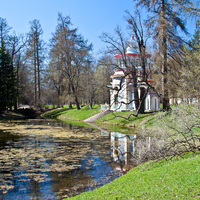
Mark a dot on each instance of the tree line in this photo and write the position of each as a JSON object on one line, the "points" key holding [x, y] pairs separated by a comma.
{"points": [[61, 72], [65, 72]]}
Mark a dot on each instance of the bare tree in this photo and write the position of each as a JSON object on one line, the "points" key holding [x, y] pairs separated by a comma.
{"points": [[102, 74], [118, 45], [35, 53], [138, 30], [73, 53], [180, 131]]}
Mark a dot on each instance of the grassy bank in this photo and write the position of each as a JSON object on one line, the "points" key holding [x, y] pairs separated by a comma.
{"points": [[118, 119], [121, 119], [178, 179], [67, 114], [73, 116]]}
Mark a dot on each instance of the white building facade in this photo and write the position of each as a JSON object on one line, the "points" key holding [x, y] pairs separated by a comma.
{"points": [[122, 90]]}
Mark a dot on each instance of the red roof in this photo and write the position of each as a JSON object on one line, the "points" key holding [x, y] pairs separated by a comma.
{"points": [[131, 54]]}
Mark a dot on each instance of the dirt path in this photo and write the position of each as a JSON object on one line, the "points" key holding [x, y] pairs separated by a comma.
{"points": [[97, 116]]}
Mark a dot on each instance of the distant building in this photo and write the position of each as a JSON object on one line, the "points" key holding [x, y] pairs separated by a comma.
{"points": [[124, 98]]}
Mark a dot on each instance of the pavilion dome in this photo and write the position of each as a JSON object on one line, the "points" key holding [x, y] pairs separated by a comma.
{"points": [[132, 47], [132, 50]]}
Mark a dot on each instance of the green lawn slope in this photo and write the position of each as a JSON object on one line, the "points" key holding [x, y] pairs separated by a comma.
{"points": [[118, 119], [80, 115], [73, 116], [122, 119], [178, 179]]}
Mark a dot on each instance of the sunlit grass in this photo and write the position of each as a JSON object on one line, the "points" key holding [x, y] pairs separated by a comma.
{"points": [[178, 179], [67, 114], [55, 106], [79, 115], [54, 113], [116, 118], [120, 118]]}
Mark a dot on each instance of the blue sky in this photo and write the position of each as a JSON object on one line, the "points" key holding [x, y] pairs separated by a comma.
{"points": [[91, 17]]}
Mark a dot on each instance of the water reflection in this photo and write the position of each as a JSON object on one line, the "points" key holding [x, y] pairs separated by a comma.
{"points": [[52, 160], [129, 151]]}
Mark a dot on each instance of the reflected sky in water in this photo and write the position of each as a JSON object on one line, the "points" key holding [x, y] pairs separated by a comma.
{"points": [[46, 166]]}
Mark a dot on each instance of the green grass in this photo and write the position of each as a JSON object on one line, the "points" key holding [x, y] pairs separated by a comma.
{"points": [[66, 114], [54, 113], [110, 121], [178, 179], [118, 118], [79, 115], [73, 116], [55, 106]]}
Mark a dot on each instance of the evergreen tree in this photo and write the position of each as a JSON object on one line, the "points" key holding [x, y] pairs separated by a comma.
{"points": [[8, 90], [7, 80]]}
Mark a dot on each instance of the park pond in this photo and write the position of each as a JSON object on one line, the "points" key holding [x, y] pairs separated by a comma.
{"points": [[45, 159]]}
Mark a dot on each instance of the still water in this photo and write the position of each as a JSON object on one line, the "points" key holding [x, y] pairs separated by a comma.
{"points": [[41, 159]]}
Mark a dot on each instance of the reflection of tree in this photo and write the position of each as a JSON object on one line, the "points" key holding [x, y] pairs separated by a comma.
{"points": [[5, 137], [60, 159]]}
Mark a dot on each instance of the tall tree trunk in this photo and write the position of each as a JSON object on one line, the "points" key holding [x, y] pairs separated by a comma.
{"points": [[75, 97], [164, 58], [142, 100], [143, 76], [77, 103], [135, 89], [59, 97], [38, 76], [70, 105], [35, 74], [90, 102]]}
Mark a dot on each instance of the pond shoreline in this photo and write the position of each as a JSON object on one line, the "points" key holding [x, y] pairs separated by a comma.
{"points": [[22, 113], [121, 120], [55, 151], [144, 181]]}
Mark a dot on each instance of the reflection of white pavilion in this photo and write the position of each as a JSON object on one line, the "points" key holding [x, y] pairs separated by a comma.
{"points": [[126, 149], [121, 146], [126, 94]]}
